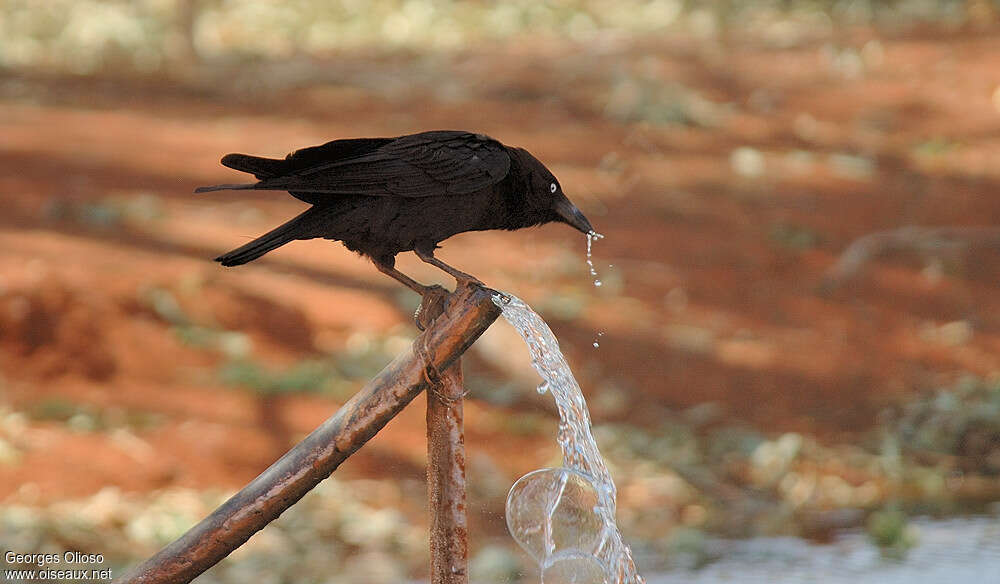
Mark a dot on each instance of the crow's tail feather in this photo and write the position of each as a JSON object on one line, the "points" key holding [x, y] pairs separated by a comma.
{"points": [[256, 165], [235, 187], [262, 168], [271, 184], [297, 228]]}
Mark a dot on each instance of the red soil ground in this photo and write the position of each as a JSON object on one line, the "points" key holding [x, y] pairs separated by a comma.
{"points": [[713, 294]]}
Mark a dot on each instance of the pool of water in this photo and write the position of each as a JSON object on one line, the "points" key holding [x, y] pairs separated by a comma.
{"points": [[951, 551]]}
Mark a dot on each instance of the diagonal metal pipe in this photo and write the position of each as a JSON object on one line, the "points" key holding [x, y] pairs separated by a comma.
{"points": [[467, 313]]}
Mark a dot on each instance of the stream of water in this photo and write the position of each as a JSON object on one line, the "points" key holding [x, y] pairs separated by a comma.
{"points": [[565, 517]]}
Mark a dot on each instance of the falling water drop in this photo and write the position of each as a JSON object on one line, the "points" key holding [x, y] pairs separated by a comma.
{"points": [[591, 237], [543, 387], [596, 343]]}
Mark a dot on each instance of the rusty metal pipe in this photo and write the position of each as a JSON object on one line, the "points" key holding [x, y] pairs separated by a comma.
{"points": [[449, 530], [468, 312]]}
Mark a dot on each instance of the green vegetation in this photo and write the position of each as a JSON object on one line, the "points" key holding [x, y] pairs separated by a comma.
{"points": [[745, 482], [83, 417], [309, 376], [793, 237], [109, 212], [339, 533], [889, 529], [958, 426], [337, 375]]}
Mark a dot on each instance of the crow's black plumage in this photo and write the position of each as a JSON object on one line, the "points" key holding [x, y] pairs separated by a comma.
{"points": [[382, 196]]}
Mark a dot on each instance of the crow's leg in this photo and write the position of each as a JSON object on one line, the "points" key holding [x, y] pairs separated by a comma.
{"points": [[461, 278], [387, 268], [431, 294]]}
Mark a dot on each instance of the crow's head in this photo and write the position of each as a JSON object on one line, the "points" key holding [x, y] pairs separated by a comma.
{"points": [[545, 194]]}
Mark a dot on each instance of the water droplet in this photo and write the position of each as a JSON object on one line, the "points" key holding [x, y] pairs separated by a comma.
{"points": [[598, 283], [591, 237], [543, 387], [500, 299], [596, 344]]}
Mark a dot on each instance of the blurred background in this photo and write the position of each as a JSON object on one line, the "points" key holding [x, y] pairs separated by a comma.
{"points": [[763, 405]]}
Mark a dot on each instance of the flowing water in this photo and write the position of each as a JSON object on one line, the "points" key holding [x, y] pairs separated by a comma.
{"points": [[565, 517]]}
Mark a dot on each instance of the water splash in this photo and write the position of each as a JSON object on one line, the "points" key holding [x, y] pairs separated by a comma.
{"points": [[591, 237], [565, 517]]}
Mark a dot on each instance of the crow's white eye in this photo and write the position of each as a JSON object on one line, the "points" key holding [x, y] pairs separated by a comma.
{"points": [[552, 188]]}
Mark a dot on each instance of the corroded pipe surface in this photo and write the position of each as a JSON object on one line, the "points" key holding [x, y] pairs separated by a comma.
{"points": [[449, 537], [468, 313]]}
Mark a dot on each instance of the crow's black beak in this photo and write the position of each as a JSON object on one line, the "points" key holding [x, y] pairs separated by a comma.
{"points": [[571, 215]]}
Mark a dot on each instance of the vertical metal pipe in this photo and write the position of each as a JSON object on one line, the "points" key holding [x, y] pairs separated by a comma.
{"points": [[449, 535]]}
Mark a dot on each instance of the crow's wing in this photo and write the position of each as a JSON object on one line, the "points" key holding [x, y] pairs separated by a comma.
{"points": [[305, 158], [421, 165]]}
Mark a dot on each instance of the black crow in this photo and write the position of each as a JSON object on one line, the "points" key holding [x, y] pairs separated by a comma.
{"points": [[382, 196]]}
